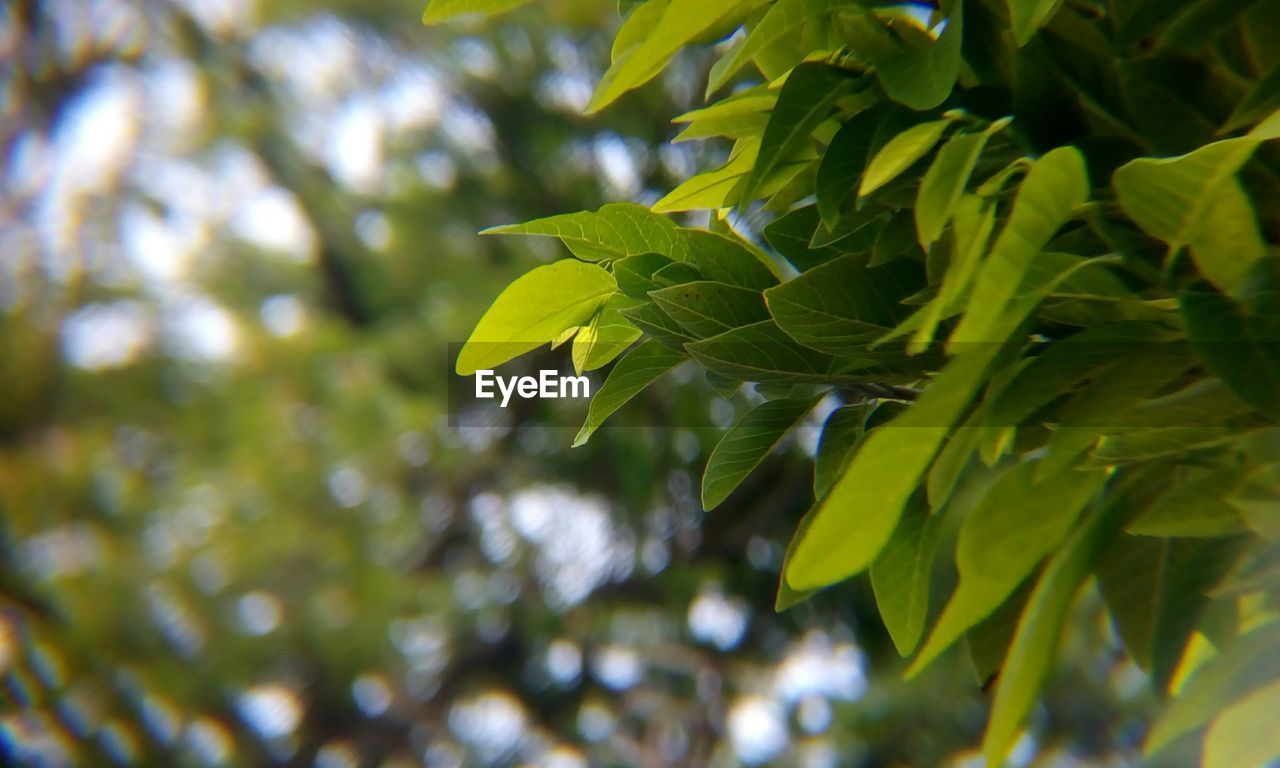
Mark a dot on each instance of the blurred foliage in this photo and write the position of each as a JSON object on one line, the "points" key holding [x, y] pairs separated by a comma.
{"points": [[240, 523]]}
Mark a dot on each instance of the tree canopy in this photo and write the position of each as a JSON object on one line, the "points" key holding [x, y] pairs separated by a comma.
{"points": [[1025, 254]]}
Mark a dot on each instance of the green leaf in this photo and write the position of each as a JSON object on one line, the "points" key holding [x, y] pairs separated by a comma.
{"points": [[855, 520], [974, 221], [1261, 101], [533, 310], [1228, 244], [900, 577], [637, 370], [840, 434], [1054, 187], [989, 640], [782, 19], [1015, 525], [634, 274], [1194, 507], [439, 11], [923, 78], [746, 444], [1035, 642], [946, 179], [1245, 733], [682, 22], [711, 188], [845, 159], [637, 27], [1181, 200], [706, 308], [1028, 16], [739, 115], [807, 97], [728, 259], [792, 236], [902, 151], [652, 320], [1250, 660], [615, 231], [607, 335], [1066, 364], [1156, 590], [842, 306], [1144, 444], [761, 352], [676, 273], [1241, 349]]}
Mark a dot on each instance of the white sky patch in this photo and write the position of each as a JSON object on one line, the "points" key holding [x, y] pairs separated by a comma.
{"points": [[467, 128], [353, 151], [271, 709], [283, 315], [221, 16], [619, 175], [272, 220], [161, 248], [718, 620], [110, 335], [412, 100], [757, 729], [198, 328]]}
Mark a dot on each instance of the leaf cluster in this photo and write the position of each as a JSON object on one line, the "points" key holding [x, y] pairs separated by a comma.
{"points": [[1029, 249]]}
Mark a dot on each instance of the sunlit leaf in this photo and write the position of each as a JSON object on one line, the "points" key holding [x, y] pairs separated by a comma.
{"points": [[533, 310], [615, 231], [439, 11]]}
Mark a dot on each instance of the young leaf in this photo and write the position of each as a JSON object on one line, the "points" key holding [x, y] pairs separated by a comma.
{"points": [[746, 444], [923, 78], [606, 336], [900, 577], [946, 179], [808, 95], [637, 370], [615, 231], [902, 151], [1015, 525], [533, 310], [440, 11]]}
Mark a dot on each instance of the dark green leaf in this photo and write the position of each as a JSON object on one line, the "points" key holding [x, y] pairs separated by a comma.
{"points": [[746, 444], [900, 576], [806, 100], [637, 370], [923, 78], [706, 308], [840, 434]]}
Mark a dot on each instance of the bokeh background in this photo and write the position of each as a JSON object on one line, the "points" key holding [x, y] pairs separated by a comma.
{"points": [[236, 526]]}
